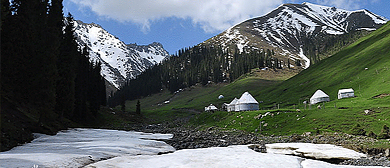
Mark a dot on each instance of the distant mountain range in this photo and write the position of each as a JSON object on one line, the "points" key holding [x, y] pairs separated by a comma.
{"points": [[120, 61], [290, 28], [292, 31]]}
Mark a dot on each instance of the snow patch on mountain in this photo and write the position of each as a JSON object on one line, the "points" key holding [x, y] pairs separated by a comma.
{"points": [[120, 62], [307, 60], [285, 28], [154, 52]]}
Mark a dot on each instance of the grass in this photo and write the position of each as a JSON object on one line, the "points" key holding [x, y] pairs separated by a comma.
{"points": [[193, 100], [287, 121], [363, 66]]}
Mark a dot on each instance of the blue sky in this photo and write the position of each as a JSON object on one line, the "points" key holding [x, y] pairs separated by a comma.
{"points": [[184, 23]]}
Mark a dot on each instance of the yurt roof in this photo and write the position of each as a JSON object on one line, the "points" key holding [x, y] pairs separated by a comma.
{"points": [[319, 93], [247, 98], [212, 107], [234, 101], [345, 90]]}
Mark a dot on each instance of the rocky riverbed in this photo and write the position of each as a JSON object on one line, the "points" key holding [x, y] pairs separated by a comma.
{"points": [[192, 138]]}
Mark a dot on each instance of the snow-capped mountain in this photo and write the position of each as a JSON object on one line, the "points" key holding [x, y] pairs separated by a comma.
{"points": [[287, 28], [120, 61]]}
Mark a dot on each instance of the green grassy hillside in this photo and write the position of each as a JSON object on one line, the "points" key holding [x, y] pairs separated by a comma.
{"points": [[194, 99], [363, 66]]}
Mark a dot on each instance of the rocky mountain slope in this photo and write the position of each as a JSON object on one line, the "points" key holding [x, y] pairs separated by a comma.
{"points": [[120, 61], [291, 28]]}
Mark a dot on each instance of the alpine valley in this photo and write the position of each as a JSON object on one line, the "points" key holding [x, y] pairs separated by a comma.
{"points": [[57, 74], [304, 32]]}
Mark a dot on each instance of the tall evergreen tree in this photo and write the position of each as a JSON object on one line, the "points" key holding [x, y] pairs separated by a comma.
{"points": [[34, 69], [67, 71], [88, 94], [42, 66], [6, 44], [81, 91], [5, 12], [138, 108]]}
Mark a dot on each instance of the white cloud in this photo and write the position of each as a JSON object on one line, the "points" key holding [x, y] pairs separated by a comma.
{"points": [[211, 15], [347, 4]]}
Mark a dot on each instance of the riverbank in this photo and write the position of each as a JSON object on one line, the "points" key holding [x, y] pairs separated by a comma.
{"points": [[185, 137], [105, 147], [79, 147]]}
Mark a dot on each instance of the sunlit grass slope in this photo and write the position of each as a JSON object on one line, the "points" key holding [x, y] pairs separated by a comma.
{"points": [[363, 66], [193, 100]]}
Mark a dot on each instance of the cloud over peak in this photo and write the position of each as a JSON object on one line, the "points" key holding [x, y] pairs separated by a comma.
{"points": [[211, 15]]}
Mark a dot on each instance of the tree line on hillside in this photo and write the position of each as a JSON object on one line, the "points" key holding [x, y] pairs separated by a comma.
{"points": [[199, 64], [42, 67], [323, 45]]}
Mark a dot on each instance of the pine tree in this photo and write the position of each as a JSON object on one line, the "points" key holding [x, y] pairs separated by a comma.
{"points": [[5, 12], [123, 104], [36, 73], [96, 95], [269, 54], [7, 38], [102, 94], [138, 107], [81, 111], [67, 71], [288, 63]]}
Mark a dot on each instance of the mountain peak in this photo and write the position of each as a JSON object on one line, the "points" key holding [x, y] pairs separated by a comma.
{"points": [[153, 52], [120, 62], [311, 4], [290, 28], [90, 24]]}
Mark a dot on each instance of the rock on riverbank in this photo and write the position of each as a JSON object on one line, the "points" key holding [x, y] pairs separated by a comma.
{"points": [[192, 138]]}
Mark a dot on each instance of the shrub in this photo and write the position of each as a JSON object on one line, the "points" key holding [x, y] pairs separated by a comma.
{"points": [[384, 134], [371, 134], [358, 130]]}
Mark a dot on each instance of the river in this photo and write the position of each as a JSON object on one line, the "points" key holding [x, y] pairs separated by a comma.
{"points": [[113, 148]]}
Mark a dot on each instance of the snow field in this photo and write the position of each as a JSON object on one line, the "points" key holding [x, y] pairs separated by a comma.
{"points": [[113, 148], [78, 147]]}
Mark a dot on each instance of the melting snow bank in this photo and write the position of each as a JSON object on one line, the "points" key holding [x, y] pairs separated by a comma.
{"points": [[79, 147], [231, 156], [303, 56], [317, 151], [113, 148]]}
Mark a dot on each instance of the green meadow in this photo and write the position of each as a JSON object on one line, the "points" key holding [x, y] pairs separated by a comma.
{"points": [[363, 66]]}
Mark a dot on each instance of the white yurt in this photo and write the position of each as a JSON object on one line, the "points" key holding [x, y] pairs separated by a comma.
{"points": [[221, 97], [247, 103], [344, 93], [232, 105], [224, 107], [211, 107], [319, 96]]}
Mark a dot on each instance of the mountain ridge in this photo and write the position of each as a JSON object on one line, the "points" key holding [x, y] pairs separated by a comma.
{"points": [[363, 66], [120, 61], [289, 28]]}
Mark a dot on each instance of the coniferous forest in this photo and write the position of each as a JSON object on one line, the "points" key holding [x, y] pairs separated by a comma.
{"points": [[44, 72], [199, 64]]}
